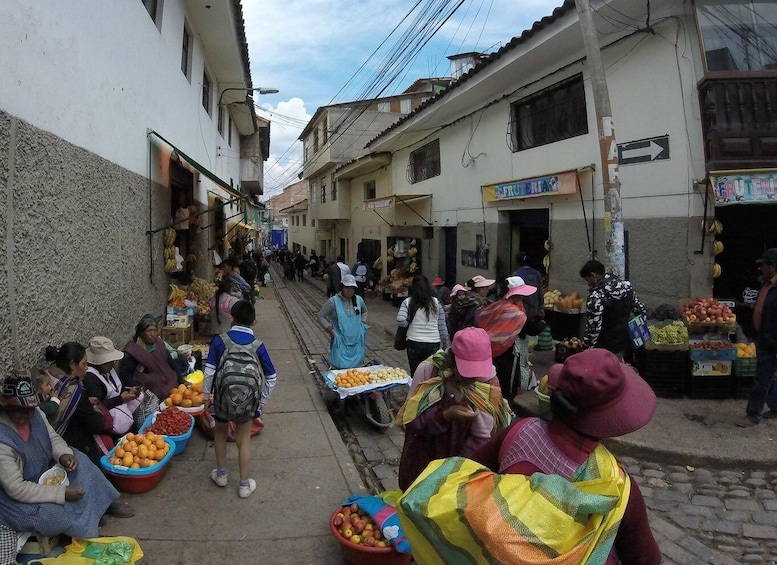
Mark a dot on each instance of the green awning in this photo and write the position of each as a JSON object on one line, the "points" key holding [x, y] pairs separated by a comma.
{"points": [[221, 183]]}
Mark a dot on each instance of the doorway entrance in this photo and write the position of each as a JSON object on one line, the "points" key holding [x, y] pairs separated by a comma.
{"points": [[529, 230], [449, 254]]}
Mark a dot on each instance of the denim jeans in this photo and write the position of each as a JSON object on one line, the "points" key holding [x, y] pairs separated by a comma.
{"points": [[418, 351], [763, 389]]}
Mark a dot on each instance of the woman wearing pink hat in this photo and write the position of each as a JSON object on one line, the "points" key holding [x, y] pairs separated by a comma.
{"points": [[443, 292], [593, 397], [454, 406], [463, 306], [504, 320]]}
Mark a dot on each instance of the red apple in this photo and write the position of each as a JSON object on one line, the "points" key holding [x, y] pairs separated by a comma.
{"points": [[370, 542], [354, 507], [338, 521], [359, 525]]}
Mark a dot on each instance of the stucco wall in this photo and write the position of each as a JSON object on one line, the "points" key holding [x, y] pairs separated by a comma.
{"points": [[661, 267], [78, 254]]}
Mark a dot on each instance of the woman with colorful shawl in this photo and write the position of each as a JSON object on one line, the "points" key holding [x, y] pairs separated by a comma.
{"points": [[77, 420], [455, 405], [593, 397], [503, 320]]}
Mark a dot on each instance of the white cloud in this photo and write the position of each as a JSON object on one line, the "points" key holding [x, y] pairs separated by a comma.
{"points": [[287, 121]]}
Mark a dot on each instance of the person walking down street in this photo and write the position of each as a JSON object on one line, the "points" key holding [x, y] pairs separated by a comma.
{"points": [[249, 271], [443, 292], [454, 406], [463, 306], [764, 387], [299, 265], [238, 362], [503, 320], [335, 275], [593, 397], [314, 264], [611, 303], [360, 273], [423, 316], [343, 317]]}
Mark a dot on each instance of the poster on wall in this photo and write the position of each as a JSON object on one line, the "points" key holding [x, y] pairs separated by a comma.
{"points": [[478, 257], [744, 187]]}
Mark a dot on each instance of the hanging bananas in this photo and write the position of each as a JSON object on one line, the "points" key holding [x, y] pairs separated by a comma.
{"points": [[176, 293], [716, 271], [717, 248], [168, 237]]}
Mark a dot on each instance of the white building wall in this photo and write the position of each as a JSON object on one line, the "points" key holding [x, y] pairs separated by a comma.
{"points": [[110, 58]]}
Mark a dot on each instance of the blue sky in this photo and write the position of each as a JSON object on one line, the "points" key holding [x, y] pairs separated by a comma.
{"points": [[310, 49]]}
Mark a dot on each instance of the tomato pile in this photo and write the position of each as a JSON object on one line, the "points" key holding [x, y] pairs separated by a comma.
{"points": [[171, 422]]}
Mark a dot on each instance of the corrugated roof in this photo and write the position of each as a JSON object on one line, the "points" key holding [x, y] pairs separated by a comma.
{"points": [[487, 60]]}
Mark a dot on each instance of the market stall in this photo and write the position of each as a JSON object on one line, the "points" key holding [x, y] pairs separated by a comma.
{"points": [[403, 261]]}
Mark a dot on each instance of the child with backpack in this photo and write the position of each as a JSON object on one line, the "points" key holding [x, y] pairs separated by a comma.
{"points": [[239, 379]]}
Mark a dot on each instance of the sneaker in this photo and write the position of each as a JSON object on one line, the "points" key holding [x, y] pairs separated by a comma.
{"points": [[220, 480], [248, 490]]}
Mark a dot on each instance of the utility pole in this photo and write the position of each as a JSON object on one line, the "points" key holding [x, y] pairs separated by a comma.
{"points": [[615, 259]]}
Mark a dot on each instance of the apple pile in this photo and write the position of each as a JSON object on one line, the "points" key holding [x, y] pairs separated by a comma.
{"points": [[708, 311], [356, 526]]}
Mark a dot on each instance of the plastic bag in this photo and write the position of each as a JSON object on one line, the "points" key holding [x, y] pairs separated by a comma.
{"points": [[128, 549]]}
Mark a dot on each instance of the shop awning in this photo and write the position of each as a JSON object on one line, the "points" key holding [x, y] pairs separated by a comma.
{"points": [[241, 225], [200, 168], [393, 200], [550, 185], [754, 186]]}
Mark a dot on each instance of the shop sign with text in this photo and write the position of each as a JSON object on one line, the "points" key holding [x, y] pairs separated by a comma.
{"points": [[561, 183], [744, 187]]}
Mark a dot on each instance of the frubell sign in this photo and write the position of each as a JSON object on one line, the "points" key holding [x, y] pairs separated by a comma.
{"points": [[744, 187], [561, 183]]}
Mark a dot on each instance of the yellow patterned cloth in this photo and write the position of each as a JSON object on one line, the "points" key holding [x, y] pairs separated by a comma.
{"points": [[484, 397], [458, 511]]}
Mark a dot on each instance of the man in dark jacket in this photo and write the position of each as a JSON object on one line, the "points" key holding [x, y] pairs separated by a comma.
{"points": [[764, 389], [534, 304], [611, 303]]}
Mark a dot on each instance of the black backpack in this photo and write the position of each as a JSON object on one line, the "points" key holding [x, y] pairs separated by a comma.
{"points": [[238, 382]]}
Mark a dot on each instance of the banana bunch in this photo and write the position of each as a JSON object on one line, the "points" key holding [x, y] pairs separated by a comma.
{"points": [[169, 265], [168, 237], [202, 288], [717, 248], [176, 293], [716, 271]]}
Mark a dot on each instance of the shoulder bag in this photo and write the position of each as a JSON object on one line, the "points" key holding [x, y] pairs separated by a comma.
{"points": [[400, 338]]}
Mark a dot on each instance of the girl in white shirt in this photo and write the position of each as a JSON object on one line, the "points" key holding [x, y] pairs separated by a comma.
{"points": [[423, 316]]}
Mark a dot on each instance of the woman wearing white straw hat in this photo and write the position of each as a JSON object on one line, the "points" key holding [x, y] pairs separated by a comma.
{"points": [[102, 382]]}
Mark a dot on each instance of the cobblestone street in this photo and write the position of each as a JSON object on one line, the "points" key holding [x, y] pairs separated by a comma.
{"points": [[698, 515]]}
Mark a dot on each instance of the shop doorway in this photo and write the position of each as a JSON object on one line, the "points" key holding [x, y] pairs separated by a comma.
{"points": [[181, 199], [451, 242], [368, 250], [748, 230], [529, 230]]}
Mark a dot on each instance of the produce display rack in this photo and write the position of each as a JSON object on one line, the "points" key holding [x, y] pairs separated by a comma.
{"points": [[744, 366], [709, 387], [563, 325], [665, 371]]}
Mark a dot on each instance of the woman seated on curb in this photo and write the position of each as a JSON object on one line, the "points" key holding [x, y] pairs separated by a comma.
{"points": [[102, 382], [80, 423], [28, 444], [593, 397], [150, 362], [454, 405]]}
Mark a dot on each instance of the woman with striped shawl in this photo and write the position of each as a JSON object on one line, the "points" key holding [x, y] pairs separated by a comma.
{"points": [[454, 406]]}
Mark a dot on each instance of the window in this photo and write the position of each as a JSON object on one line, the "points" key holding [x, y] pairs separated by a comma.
{"points": [[229, 129], [369, 190], [186, 51], [738, 36], [315, 139], [312, 223], [424, 162], [324, 129], [333, 181], [220, 120], [206, 92], [323, 191], [304, 220], [550, 115]]}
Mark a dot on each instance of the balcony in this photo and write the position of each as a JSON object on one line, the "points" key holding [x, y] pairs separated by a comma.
{"points": [[739, 121]]}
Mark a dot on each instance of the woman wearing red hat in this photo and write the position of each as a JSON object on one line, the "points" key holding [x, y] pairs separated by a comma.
{"points": [[454, 406], [593, 397]]}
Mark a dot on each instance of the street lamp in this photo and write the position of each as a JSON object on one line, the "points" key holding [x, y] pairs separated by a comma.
{"points": [[260, 90]]}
